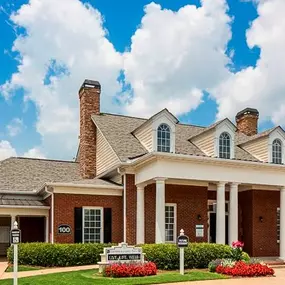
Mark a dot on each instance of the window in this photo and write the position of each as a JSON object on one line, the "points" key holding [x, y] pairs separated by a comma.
{"points": [[277, 151], [170, 223], [278, 224], [163, 138], [225, 146], [92, 225]]}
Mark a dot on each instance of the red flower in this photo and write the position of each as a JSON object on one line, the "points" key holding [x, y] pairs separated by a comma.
{"points": [[237, 244], [245, 270], [130, 269]]}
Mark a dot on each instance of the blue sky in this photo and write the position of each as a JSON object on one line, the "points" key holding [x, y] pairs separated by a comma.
{"points": [[27, 125]]}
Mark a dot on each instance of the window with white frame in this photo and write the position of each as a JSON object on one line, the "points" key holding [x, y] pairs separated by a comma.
{"points": [[277, 151], [278, 224], [225, 145], [170, 223], [92, 225], [163, 138]]}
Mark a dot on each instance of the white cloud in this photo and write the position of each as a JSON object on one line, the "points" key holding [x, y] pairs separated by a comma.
{"points": [[64, 43], [34, 153], [6, 150], [174, 56], [15, 127], [262, 86]]}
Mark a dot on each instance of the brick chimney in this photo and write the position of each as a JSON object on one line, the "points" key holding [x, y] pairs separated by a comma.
{"points": [[89, 96], [247, 121]]}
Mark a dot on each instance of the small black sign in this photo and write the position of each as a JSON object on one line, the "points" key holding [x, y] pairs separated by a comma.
{"points": [[182, 241], [15, 236], [64, 229], [126, 256]]}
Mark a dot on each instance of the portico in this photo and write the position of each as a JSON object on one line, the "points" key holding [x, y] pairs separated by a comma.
{"points": [[235, 180]]}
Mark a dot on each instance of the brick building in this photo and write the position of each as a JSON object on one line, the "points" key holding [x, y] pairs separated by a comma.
{"points": [[142, 180]]}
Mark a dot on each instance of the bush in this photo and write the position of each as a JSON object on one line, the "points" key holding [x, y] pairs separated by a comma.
{"points": [[130, 269], [59, 255], [245, 270], [197, 255], [214, 264], [165, 256]]}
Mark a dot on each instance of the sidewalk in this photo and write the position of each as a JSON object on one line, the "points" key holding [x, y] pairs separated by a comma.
{"points": [[278, 280], [45, 271], [3, 266]]}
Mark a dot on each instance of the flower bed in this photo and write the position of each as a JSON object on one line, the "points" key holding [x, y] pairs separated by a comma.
{"points": [[130, 270], [243, 269]]}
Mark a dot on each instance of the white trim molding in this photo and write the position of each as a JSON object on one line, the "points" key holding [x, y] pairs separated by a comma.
{"points": [[140, 215], [88, 191], [101, 220]]}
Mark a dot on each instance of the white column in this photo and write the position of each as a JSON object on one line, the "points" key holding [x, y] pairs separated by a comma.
{"points": [[282, 223], [13, 219], [160, 211], [221, 214], [46, 228], [233, 218], [140, 214]]}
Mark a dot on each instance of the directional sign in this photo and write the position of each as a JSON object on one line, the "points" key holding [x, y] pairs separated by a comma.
{"points": [[15, 236], [182, 241]]}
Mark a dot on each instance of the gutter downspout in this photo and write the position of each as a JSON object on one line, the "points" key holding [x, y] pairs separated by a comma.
{"points": [[52, 215], [124, 205]]}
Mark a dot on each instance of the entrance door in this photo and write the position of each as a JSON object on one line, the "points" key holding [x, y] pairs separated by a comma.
{"points": [[213, 223], [4, 239]]}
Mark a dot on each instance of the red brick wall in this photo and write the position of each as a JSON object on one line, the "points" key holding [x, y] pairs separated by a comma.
{"points": [[64, 205], [131, 218], [260, 238], [265, 204], [191, 201]]}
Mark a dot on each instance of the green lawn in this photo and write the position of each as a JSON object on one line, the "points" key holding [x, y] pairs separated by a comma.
{"points": [[23, 268], [92, 277]]}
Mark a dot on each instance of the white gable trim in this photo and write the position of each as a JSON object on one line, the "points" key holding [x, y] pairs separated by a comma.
{"points": [[276, 134], [227, 127]]}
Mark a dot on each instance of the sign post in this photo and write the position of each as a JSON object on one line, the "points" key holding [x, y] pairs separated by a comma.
{"points": [[182, 241], [15, 240]]}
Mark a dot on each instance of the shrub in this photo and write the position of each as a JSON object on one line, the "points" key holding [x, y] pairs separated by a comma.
{"points": [[197, 255], [245, 257], [117, 270], [245, 270], [237, 250], [60, 255], [214, 264]]}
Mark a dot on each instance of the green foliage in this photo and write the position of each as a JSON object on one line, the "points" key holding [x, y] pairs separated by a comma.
{"points": [[57, 255], [245, 257], [214, 264], [197, 255], [165, 256]]}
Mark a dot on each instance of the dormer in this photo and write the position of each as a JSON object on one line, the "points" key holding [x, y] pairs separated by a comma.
{"points": [[218, 140], [158, 132], [268, 146]]}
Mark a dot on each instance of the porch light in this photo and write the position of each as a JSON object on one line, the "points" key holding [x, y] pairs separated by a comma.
{"points": [[261, 219], [199, 218]]}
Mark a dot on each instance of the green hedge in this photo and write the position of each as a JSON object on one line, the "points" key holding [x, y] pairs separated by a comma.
{"points": [[197, 255], [57, 255], [165, 256]]}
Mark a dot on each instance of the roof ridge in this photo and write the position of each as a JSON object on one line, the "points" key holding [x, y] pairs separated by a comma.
{"points": [[120, 115], [41, 159], [191, 125]]}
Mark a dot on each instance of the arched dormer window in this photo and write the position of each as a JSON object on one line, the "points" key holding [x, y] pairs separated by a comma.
{"points": [[277, 151], [225, 146], [163, 138]]}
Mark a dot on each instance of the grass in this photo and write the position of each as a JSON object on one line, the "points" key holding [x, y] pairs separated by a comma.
{"points": [[23, 268], [89, 277]]}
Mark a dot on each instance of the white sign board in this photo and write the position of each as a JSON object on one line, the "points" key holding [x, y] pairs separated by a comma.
{"points": [[199, 230], [121, 253]]}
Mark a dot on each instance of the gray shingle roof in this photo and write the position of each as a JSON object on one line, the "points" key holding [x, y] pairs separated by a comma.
{"points": [[118, 131], [257, 136], [21, 202], [27, 174]]}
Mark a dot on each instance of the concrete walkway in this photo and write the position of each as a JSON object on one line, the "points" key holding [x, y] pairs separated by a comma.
{"points": [[278, 280], [3, 266], [9, 275]]}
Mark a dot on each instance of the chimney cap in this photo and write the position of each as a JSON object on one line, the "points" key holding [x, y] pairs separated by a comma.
{"points": [[247, 111], [90, 84]]}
